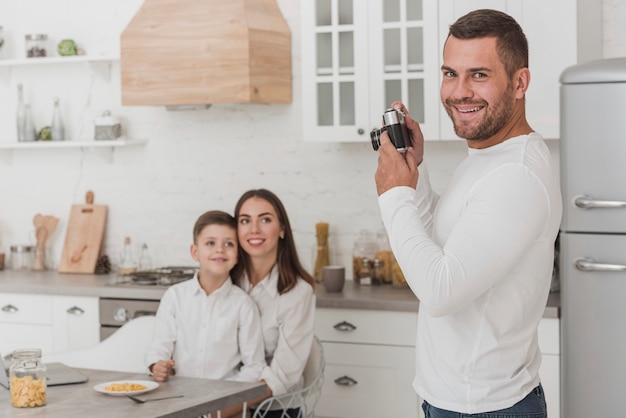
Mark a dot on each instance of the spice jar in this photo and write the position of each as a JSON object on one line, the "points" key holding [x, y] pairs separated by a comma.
{"points": [[28, 378], [365, 272], [107, 126], [364, 247], [36, 45], [21, 257], [378, 272]]}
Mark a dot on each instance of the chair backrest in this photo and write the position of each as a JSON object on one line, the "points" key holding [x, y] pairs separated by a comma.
{"points": [[122, 351], [306, 398]]}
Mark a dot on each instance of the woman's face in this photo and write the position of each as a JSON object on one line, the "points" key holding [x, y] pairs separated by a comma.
{"points": [[258, 228]]}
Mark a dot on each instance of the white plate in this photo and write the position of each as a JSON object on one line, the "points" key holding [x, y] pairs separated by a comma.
{"points": [[149, 384]]}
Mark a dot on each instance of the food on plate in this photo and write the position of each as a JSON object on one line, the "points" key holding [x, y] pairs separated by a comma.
{"points": [[27, 392], [125, 387]]}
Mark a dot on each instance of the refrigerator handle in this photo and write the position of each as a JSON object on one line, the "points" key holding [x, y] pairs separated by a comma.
{"points": [[587, 202], [588, 264]]}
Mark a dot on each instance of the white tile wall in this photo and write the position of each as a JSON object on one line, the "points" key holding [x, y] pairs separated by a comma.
{"points": [[194, 160]]}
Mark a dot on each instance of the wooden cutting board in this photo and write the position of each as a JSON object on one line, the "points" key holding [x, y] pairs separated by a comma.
{"points": [[83, 241]]}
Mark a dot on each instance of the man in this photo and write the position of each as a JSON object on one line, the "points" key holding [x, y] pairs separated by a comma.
{"points": [[480, 256]]}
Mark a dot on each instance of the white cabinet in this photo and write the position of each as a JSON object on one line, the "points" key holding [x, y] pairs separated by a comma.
{"points": [[368, 360], [52, 323], [549, 343], [357, 57]]}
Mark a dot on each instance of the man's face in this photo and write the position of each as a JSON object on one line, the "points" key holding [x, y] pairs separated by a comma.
{"points": [[475, 89]]}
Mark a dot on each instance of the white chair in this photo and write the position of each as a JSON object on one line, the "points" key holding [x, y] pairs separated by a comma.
{"points": [[306, 398], [122, 351]]}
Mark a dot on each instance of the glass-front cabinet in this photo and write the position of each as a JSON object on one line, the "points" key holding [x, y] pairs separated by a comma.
{"points": [[358, 56]]}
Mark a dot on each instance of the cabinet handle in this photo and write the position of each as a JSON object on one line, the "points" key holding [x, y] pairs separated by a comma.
{"points": [[345, 381], [344, 326], [588, 202], [9, 308], [75, 310], [588, 264]]}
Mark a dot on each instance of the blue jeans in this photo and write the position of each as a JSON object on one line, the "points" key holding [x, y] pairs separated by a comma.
{"points": [[532, 406]]}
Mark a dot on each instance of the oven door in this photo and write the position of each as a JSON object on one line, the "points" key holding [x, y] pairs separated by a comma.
{"points": [[116, 312]]}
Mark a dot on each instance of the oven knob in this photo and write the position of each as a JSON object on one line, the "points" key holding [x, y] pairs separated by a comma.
{"points": [[120, 314]]}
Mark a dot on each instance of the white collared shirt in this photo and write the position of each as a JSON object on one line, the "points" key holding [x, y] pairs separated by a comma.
{"points": [[288, 322], [215, 336]]}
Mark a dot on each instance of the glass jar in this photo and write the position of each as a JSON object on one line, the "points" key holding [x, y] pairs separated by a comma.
{"points": [[36, 45], [364, 247], [378, 272], [384, 253], [365, 272], [397, 277], [21, 257], [28, 378]]}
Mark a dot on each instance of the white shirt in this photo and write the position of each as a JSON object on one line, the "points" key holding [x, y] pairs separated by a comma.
{"points": [[288, 327], [216, 336], [479, 259]]}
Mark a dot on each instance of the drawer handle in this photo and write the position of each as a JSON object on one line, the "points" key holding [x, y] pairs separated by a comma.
{"points": [[344, 326], [345, 381], [75, 310], [9, 308]]}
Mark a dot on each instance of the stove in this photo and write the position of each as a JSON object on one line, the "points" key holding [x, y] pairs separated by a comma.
{"points": [[159, 277], [115, 312]]}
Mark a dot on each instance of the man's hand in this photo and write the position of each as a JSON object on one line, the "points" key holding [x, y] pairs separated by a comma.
{"points": [[163, 369], [397, 169]]}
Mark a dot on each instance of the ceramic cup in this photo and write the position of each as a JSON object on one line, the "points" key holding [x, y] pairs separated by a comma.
{"points": [[333, 278]]}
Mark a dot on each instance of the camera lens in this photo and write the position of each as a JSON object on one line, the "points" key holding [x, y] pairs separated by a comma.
{"points": [[375, 137]]}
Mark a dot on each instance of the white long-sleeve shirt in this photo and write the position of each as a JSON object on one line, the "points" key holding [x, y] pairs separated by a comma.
{"points": [[288, 322], [215, 336], [479, 258]]}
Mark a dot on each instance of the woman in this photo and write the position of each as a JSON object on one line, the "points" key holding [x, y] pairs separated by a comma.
{"points": [[271, 273]]}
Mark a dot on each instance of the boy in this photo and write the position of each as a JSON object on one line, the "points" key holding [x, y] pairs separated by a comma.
{"points": [[206, 327]]}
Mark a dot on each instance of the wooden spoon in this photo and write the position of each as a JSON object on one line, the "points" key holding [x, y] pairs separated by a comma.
{"points": [[50, 223], [38, 221], [40, 253]]}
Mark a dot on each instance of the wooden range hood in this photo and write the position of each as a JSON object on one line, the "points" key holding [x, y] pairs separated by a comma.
{"points": [[198, 52]]}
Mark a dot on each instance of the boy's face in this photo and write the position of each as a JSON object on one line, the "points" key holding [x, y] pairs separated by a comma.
{"points": [[216, 250]]}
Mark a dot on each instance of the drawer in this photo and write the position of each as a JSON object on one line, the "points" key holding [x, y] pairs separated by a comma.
{"points": [[549, 336], [366, 326], [358, 377], [25, 309]]}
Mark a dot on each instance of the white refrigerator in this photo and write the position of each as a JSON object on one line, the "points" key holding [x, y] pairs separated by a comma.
{"points": [[593, 240]]}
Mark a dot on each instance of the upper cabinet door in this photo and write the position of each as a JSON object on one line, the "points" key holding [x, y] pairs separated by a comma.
{"points": [[334, 70], [403, 60]]}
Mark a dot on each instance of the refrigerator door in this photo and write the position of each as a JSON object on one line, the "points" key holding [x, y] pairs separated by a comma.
{"points": [[593, 334], [593, 149]]}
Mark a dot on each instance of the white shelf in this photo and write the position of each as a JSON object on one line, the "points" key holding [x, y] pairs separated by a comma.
{"points": [[7, 148], [56, 60], [121, 142]]}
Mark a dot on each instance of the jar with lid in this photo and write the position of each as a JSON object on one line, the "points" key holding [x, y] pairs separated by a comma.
{"points": [[384, 253], [378, 272], [36, 45], [107, 127], [364, 276], [22, 257], [28, 378], [364, 247]]}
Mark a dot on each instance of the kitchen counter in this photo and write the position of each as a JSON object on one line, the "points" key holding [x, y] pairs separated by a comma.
{"points": [[387, 298], [353, 296]]}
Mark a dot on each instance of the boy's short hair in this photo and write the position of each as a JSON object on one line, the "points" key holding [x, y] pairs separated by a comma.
{"points": [[213, 217]]}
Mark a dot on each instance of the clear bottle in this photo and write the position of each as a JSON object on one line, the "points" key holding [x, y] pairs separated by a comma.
{"points": [[57, 128], [21, 113], [145, 261], [30, 132], [28, 378], [364, 276], [128, 265], [364, 247]]}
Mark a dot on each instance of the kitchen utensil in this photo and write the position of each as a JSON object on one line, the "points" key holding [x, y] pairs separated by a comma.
{"points": [[85, 232], [153, 399], [40, 249]]}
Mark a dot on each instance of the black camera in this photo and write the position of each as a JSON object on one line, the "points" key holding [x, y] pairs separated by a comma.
{"points": [[393, 123]]}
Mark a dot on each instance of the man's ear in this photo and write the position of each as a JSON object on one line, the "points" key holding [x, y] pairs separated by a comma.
{"points": [[522, 81]]}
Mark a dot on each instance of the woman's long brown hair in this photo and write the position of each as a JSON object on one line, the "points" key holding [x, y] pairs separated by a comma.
{"points": [[289, 266]]}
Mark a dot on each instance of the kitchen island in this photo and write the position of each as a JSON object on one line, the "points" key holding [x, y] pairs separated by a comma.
{"points": [[200, 396]]}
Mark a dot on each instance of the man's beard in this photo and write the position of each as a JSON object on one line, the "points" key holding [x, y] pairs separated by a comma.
{"points": [[492, 121]]}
